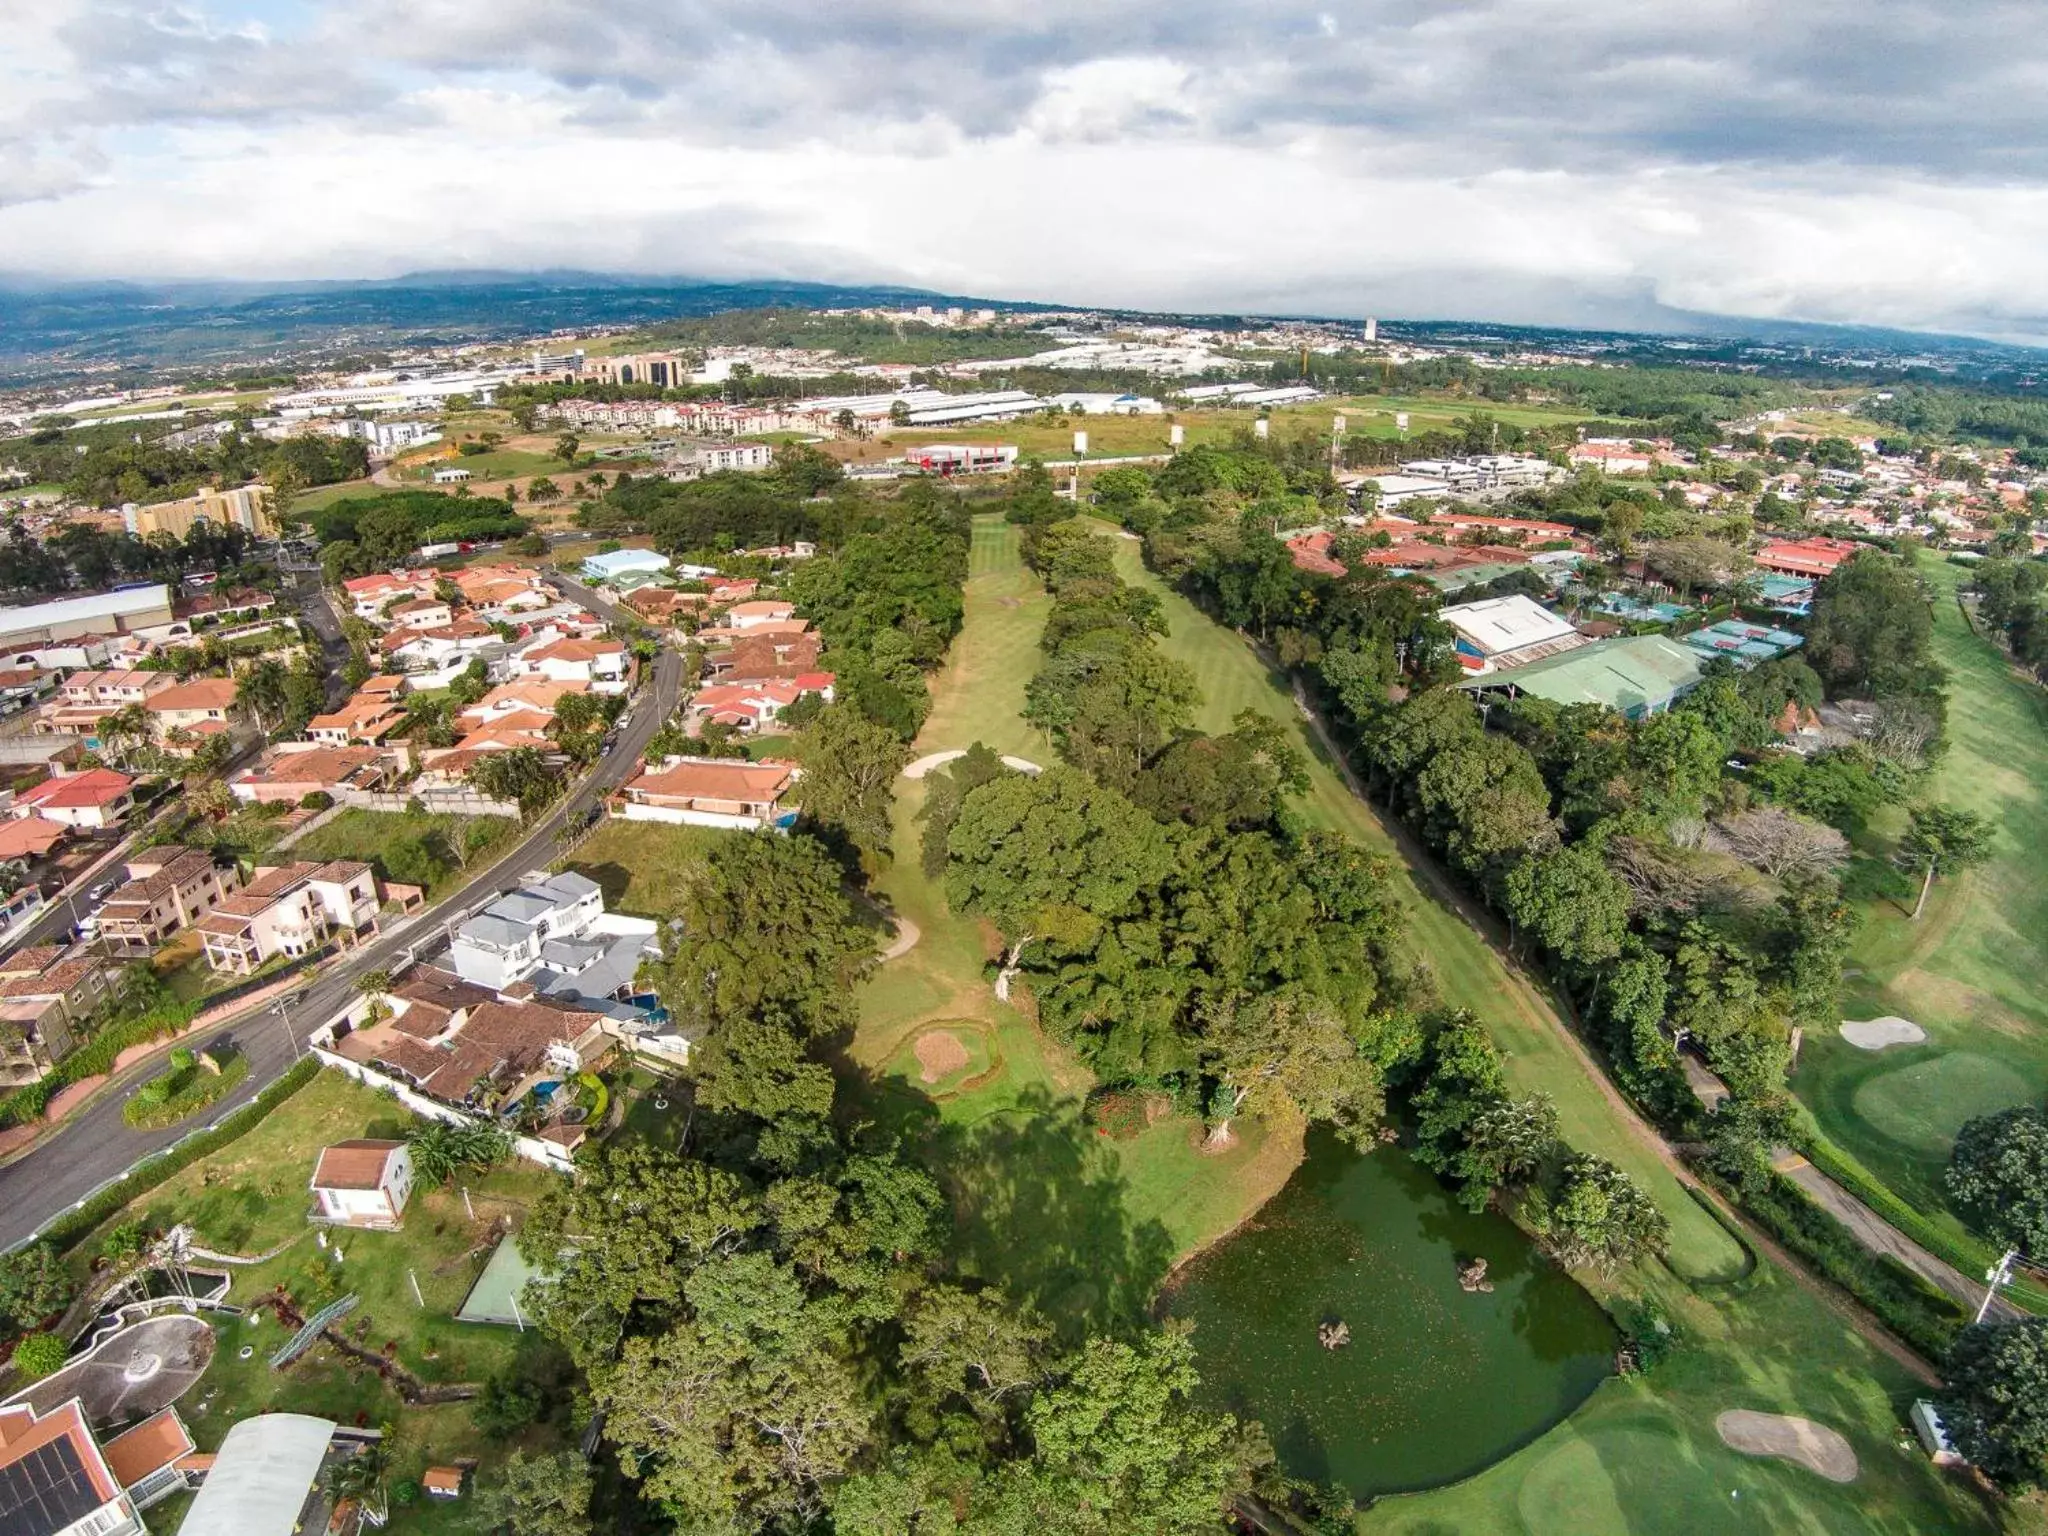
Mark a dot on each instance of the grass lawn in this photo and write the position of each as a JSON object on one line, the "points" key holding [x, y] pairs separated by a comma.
{"points": [[326, 495], [498, 464], [367, 835], [1969, 972], [641, 864]]}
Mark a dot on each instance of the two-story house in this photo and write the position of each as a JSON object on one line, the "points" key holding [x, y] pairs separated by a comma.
{"points": [[45, 999], [93, 800], [289, 911], [203, 707], [169, 888], [507, 941]]}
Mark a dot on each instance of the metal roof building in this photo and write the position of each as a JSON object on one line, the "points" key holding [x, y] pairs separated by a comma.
{"points": [[1636, 675], [1501, 632], [265, 1471]]}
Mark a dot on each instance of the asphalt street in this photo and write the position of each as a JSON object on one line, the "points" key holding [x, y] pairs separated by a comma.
{"points": [[95, 1146]]}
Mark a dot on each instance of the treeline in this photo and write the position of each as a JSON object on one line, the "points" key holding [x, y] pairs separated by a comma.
{"points": [[130, 461], [85, 557], [2012, 602], [720, 513], [360, 534], [1679, 903], [1949, 415]]}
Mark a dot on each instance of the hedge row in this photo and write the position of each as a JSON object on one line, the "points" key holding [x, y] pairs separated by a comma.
{"points": [[1902, 1301], [78, 1223], [1967, 1255], [95, 1057]]}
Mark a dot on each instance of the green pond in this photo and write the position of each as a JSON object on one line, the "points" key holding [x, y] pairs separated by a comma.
{"points": [[1436, 1383]]}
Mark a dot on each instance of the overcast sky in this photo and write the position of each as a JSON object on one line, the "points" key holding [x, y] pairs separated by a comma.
{"points": [[1585, 162]]}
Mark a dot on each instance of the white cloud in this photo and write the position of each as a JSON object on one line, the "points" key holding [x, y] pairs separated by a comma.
{"points": [[1527, 160]]}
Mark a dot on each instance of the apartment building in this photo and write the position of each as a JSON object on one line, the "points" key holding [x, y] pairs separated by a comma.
{"points": [[289, 911], [246, 507], [168, 889]]}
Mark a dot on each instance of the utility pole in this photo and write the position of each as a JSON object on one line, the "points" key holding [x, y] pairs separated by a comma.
{"points": [[1998, 1275]]}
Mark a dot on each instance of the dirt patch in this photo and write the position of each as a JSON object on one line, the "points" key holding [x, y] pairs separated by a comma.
{"points": [[939, 1055], [1799, 1441]]}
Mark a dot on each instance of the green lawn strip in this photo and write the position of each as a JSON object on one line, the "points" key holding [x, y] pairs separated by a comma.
{"points": [[186, 1091], [979, 694], [1969, 970], [1467, 971], [366, 836]]}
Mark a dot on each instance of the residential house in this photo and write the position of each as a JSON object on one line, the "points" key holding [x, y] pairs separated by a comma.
{"points": [[757, 657], [203, 707], [365, 719], [84, 699], [290, 771], [602, 665], [599, 568], [502, 592], [363, 1183], [289, 911], [437, 650], [523, 704], [706, 792], [367, 595], [169, 888], [45, 1000], [24, 840], [746, 616], [753, 706], [1805, 557], [442, 1482], [57, 1480], [94, 800], [235, 603], [505, 943], [422, 613]]}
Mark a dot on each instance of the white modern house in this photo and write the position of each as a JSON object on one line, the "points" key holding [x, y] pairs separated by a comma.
{"points": [[554, 935], [363, 1183]]}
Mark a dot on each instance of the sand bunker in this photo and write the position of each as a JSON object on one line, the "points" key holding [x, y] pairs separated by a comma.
{"points": [[1876, 1034], [940, 1054], [1801, 1441]]}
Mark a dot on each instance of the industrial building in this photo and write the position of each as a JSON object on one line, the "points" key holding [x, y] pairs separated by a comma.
{"points": [[121, 612], [246, 507], [1636, 675], [1503, 632]]}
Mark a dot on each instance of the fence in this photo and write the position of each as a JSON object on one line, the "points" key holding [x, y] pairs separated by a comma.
{"points": [[442, 802]]}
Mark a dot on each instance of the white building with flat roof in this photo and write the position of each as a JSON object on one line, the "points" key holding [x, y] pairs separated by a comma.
{"points": [[1501, 632], [104, 613]]}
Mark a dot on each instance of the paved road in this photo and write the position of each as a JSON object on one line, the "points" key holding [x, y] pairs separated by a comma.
{"points": [[95, 1146]]}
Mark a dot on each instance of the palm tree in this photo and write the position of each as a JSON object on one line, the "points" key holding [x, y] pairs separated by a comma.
{"points": [[129, 724], [262, 692]]}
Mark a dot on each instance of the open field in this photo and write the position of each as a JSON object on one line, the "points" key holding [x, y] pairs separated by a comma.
{"points": [[641, 864], [368, 836], [1970, 971]]}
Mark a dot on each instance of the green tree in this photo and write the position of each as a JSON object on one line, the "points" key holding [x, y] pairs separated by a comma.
{"points": [[1601, 1217], [37, 1355], [518, 774], [1120, 1448], [1291, 1048], [981, 1345], [33, 1285], [1870, 628], [1995, 1401], [850, 766], [1998, 1171], [442, 1149], [1571, 904], [1939, 840], [535, 1495], [566, 447]]}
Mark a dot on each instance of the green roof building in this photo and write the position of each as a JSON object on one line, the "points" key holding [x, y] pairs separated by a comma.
{"points": [[1636, 675]]}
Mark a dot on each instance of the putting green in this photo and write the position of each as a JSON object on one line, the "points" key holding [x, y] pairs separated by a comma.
{"points": [[1922, 1104]]}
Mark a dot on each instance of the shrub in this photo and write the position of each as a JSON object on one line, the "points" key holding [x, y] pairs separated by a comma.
{"points": [[316, 800], [1117, 1113], [39, 1355], [33, 1285], [182, 1091], [406, 1492]]}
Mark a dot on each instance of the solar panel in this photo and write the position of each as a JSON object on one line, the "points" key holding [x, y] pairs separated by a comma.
{"points": [[45, 1491]]}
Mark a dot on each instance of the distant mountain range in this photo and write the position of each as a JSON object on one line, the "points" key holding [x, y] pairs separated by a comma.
{"points": [[117, 331]]}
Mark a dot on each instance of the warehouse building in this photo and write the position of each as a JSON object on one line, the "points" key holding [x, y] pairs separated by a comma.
{"points": [[1503, 632]]}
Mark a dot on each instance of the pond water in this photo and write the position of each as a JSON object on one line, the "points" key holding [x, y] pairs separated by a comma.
{"points": [[1435, 1384]]}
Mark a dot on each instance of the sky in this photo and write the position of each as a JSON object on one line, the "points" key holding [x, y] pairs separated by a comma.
{"points": [[1597, 162]]}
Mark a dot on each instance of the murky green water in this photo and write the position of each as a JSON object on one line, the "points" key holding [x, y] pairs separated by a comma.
{"points": [[1435, 1384]]}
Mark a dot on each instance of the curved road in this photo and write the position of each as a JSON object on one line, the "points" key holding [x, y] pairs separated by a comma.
{"points": [[95, 1146]]}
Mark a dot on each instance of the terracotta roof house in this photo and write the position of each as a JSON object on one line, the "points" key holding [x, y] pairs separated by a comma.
{"points": [[706, 792], [284, 775], [366, 718], [1806, 557], [488, 1052], [204, 706], [289, 911], [43, 1000], [56, 1479], [368, 594], [363, 1183], [168, 888], [758, 657], [442, 1482], [752, 706], [526, 695], [601, 665], [95, 799], [30, 837]]}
